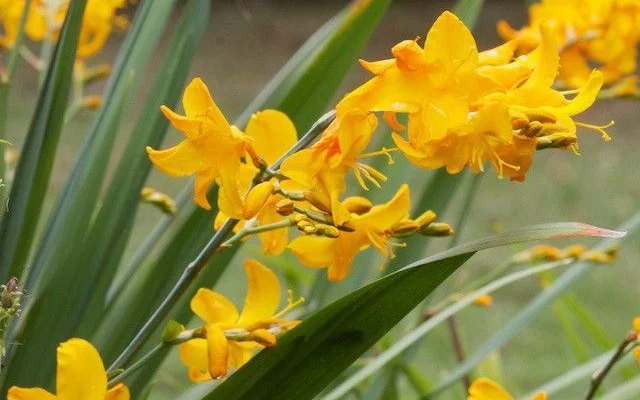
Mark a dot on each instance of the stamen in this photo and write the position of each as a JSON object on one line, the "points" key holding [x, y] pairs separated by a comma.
{"points": [[383, 152], [363, 185], [368, 176], [599, 128], [291, 304]]}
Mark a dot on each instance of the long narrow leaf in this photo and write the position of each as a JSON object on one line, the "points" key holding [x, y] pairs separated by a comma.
{"points": [[57, 258], [38, 153], [325, 344]]}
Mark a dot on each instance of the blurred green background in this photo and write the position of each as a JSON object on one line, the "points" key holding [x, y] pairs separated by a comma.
{"points": [[246, 44]]}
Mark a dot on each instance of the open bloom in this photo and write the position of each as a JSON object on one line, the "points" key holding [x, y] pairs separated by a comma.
{"points": [[486, 389], [602, 33], [272, 134], [46, 17], [212, 148], [373, 227], [232, 338], [323, 166], [80, 375]]}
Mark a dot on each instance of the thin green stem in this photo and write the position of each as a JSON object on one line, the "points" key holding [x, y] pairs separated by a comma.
{"points": [[253, 230], [138, 364], [598, 377], [17, 44], [194, 267]]}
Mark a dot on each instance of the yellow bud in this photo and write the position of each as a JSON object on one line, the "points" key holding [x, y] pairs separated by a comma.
{"points": [[256, 199], [636, 354], [285, 207], [264, 337], [596, 257], [357, 204], [519, 120], [309, 229], [532, 129], [547, 252], [484, 300], [92, 102], [158, 199], [558, 140], [426, 218], [437, 229], [327, 230], [318, 200], [405, 227], [574, 251], [299, 217]]}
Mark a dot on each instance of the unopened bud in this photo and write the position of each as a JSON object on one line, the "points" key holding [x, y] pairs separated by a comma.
{"points": [[405, 227], [264, 337], [91, 102], [327, 230], [357, 204], [309, 229], [437, 229], [162, 201], [98, 72], [573, 251], [318, 200], [256, 199], [426, 218], [558, 140], [12, 285], [532, 129], [285, 207], [519, 120], [484, 300]]}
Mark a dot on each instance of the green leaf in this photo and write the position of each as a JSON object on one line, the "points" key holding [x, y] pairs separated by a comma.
{"points": [[323, 60], [326, 343], [112, 227], [34, 168], [526, 315], [49, 280], [468, 11]]}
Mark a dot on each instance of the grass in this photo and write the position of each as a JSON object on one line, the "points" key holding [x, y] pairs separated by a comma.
{"points": [[246, 45]]}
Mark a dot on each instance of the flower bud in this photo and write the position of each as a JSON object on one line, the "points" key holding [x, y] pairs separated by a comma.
{"points": [[285, 207], [264, 337], [91, 102], [437, 229], [405, 227], [484, 300], [558, 140], [256, 199], [327, 230], [357, 204], [426, 218]]}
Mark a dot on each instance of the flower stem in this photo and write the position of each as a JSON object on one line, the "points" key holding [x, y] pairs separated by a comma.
{"points": [[135, 366], [194, 268], [598, 377], [252, 230]]}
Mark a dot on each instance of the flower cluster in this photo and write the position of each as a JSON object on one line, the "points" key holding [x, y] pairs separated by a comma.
{"points": [[306, 192], [229, 339], [45, 19], [466, 107], [600, 33]]}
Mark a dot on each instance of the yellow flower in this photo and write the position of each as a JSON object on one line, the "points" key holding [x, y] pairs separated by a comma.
{"points": [[486, 389], [323, 166], [600, 32], [370, 228], [212, 357], [272, 134], [46, 17], [80, 375], [212, 148]]}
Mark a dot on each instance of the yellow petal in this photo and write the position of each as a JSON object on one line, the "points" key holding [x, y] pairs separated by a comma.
{"points": [[586, 96], [80, 372], [544, 74], [275, 241], [486, 389], [263, 293], [461, 58], [636, 325], [118, 392], [273, 134], [196, 99], [203, 181], [498, 55], [539, 396], [257, 198], [301, 166], [383, 217], [217, 350], [213, 307], [181, 160], [244, 176], [345, 248], [241, 352], [313, 251], [230, 188], [377, 67], [190, 127], [409, 56], [193, 354], [17, 393]]}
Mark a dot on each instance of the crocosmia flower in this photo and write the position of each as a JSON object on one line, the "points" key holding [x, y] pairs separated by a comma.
{"points": [[80, 375], [486, 389]]}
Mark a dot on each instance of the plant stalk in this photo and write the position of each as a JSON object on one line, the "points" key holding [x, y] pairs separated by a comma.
{"points": [[598, 377]]}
